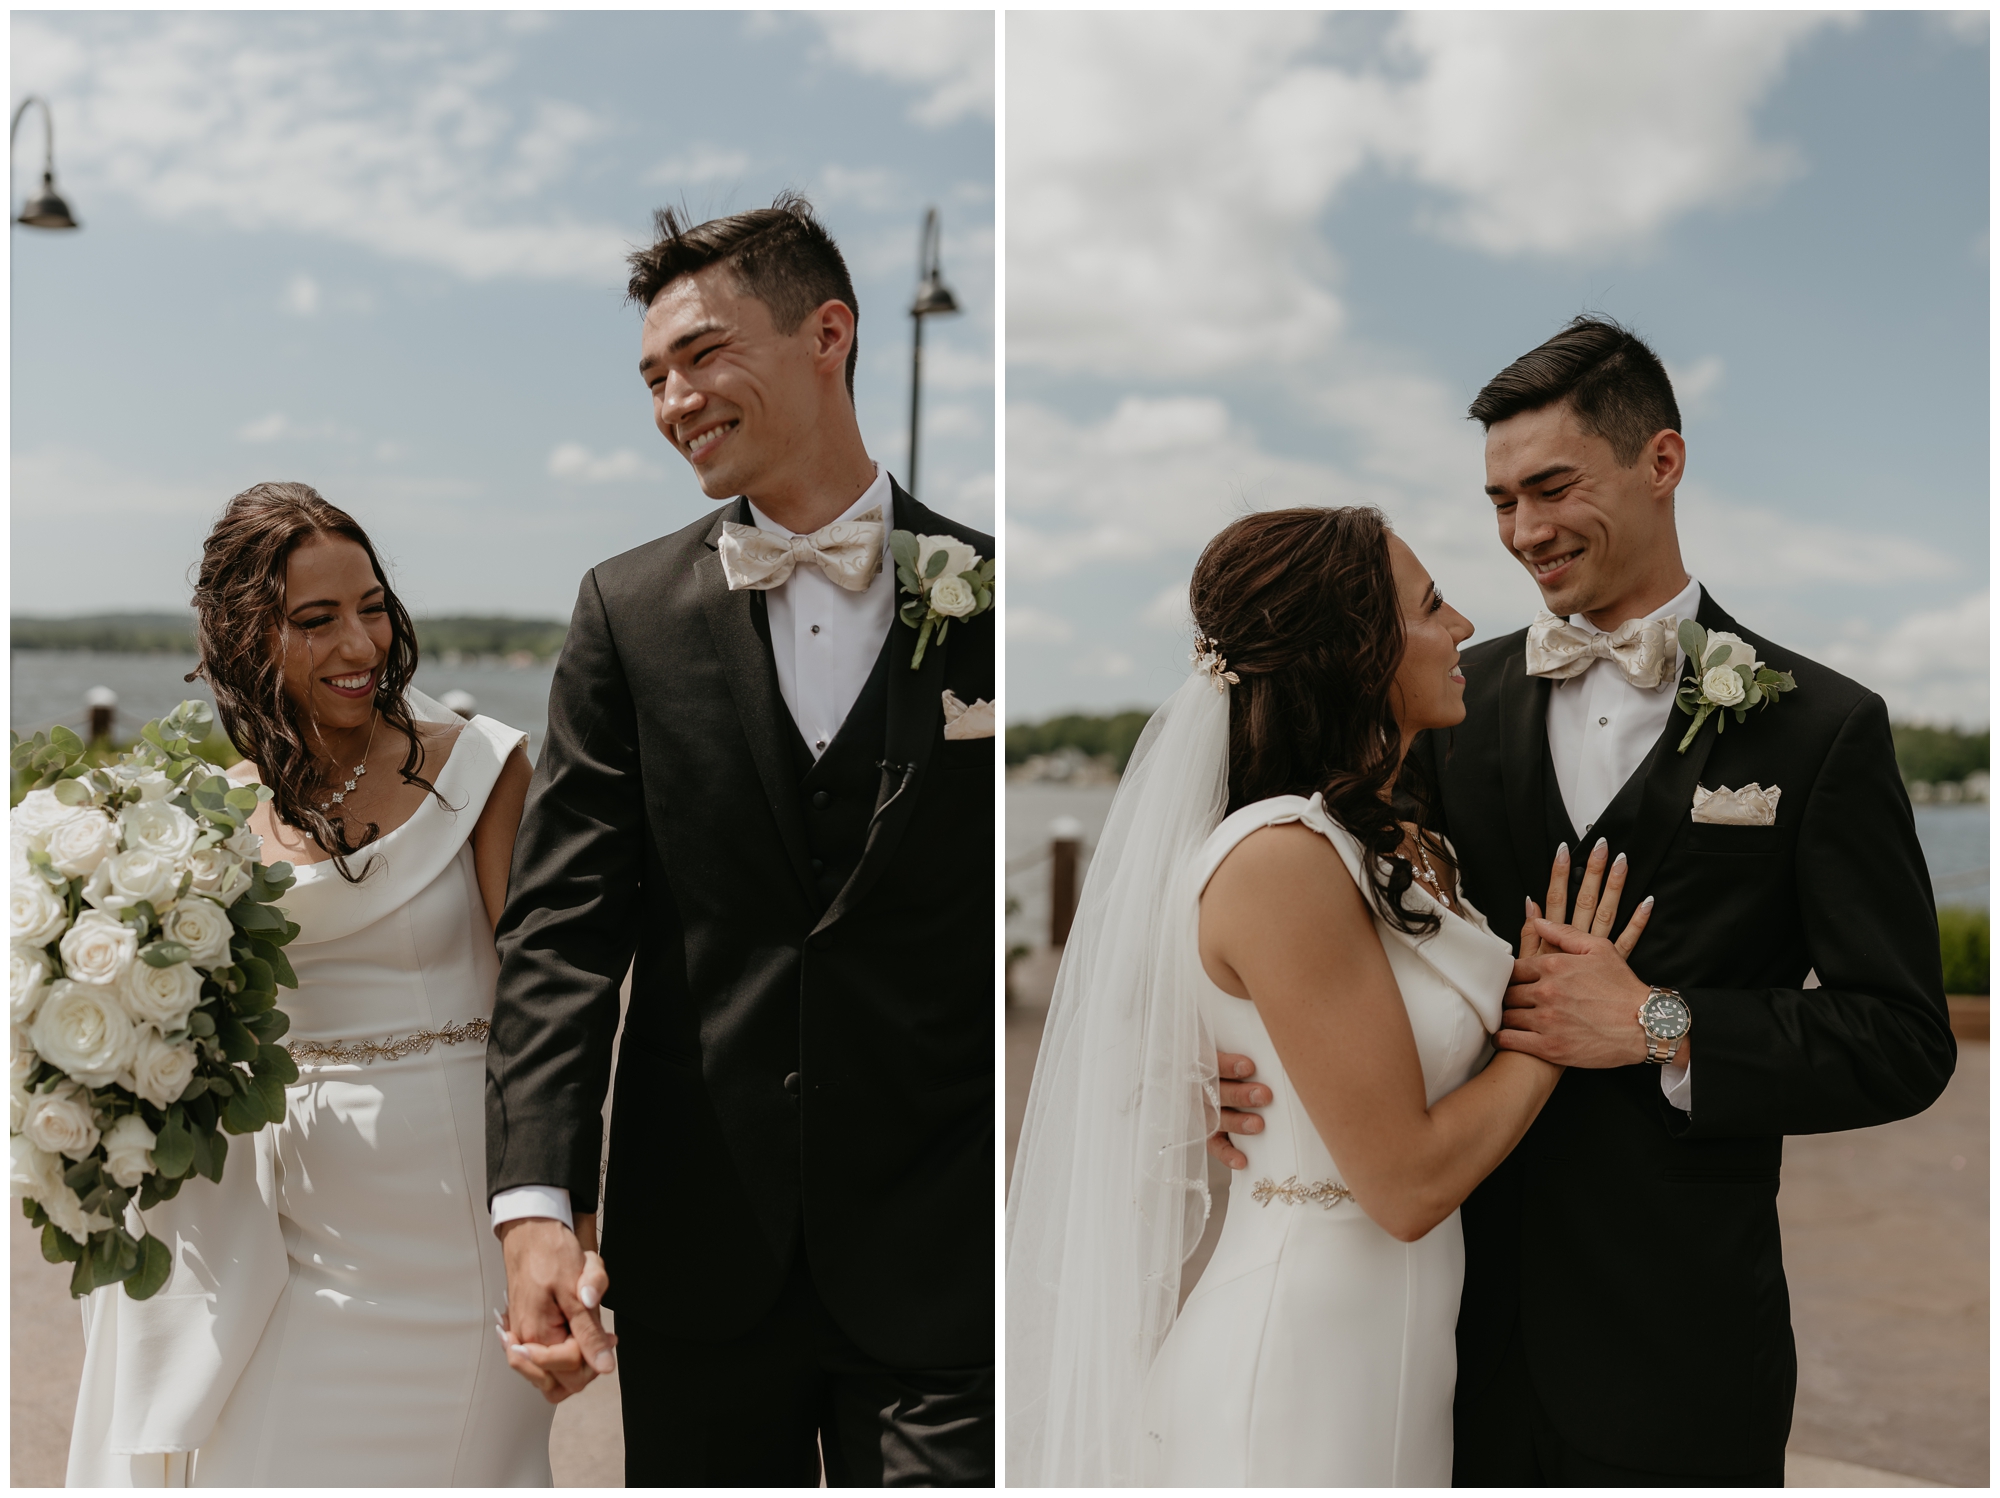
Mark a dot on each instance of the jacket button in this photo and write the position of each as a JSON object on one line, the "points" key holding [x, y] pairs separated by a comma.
{"points": [[822, 799], [818, 865], [792, 1083]]}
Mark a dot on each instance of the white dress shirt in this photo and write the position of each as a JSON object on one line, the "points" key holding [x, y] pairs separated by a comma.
{"points": [[1601, 728], [824, 641]]}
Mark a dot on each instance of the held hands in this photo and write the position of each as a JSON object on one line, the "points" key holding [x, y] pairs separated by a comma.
{"points": [[1573, 1000], [555, 1282], [1238, 1094]]}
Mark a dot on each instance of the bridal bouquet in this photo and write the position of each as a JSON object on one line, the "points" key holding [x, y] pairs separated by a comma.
{"points": [[144, 966]]}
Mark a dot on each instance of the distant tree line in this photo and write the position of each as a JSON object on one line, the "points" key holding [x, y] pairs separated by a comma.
{"points": [[1933, 754], [155, 634]]}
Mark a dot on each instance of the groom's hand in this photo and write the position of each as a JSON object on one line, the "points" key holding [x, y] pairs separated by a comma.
{"points": [[1575, 1004], [1238, 1094], [553, 1334]]}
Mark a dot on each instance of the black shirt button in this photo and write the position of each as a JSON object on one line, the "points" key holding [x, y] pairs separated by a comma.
{"points": [[819, 865], [822, 799], [792, 1083]]}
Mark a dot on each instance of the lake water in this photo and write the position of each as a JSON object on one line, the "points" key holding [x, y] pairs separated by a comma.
{"points": [[48, 686], [1954, 841]]}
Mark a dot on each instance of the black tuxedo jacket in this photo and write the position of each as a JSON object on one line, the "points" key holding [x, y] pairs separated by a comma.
{"points": [[798, 1063], [1634, 1246]]}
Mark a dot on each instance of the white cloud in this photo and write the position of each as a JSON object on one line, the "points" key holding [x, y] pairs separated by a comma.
{"points": [[949, 53], [302, 295], [1168, 173], [702, 163], [1695, 383], [402, 140], [1026, 626], [278, 427], [576, 463], [1744, 548], [1169, 609], [1929, 667]]}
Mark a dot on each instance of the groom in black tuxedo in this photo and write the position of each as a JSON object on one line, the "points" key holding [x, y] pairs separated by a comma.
{"points": [[752, 799], [1625, 1320]]}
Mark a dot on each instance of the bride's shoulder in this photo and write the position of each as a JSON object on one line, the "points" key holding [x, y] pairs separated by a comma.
{"points": [[1277, 831]]}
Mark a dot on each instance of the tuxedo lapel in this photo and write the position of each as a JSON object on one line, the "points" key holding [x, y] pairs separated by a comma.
{"points": [[753, 683], [1667, 778], [916, 708], [1524, 752]]}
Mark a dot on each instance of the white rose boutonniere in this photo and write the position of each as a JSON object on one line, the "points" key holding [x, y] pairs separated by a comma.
{"points": [[1723, 673], [945, 580]]}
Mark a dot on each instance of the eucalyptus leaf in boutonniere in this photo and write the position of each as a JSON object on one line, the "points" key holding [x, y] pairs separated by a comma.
{"points": [[945, 580], [1724, 676]]}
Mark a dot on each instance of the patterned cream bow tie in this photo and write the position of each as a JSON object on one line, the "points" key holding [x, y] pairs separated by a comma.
{"points": [[849, 552], [1644, 649]]}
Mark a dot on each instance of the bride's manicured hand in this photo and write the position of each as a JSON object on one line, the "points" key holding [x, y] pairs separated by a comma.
{"points": [[1238, 1093], [1574, 1002], [555, 1282]]}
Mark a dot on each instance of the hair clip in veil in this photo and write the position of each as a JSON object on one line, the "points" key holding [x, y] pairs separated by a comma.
{"points": [[1208, 657]]}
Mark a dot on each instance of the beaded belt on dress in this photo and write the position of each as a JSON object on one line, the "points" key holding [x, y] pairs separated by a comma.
{"points": [[1290, 1191], [395, 1048]]}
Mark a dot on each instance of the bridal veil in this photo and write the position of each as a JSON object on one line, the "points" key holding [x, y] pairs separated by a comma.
{"points": [[1109, 1193]]}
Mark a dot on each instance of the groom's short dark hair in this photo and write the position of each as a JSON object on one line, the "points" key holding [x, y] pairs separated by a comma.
{"points": [[781, 255], [1611, 379]]}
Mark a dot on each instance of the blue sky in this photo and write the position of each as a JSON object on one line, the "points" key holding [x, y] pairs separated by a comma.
{"points": [[384, 254], [1258, 260]]}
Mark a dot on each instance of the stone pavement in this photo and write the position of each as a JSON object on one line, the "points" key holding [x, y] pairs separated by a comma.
{"points": [[1885, 1242]]}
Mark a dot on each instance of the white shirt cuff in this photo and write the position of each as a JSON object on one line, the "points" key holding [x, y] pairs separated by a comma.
{"points": [[1674, 1083], [533, 1201]]}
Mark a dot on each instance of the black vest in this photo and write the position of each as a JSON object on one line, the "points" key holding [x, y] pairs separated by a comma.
{"points": [[1615, 823], [840, 792]]}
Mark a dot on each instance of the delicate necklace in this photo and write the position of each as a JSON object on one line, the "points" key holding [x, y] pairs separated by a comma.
{"points": [[1430, 874], [359, 770]]}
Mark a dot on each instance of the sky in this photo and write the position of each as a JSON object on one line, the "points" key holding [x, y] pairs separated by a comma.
{"points": [[384, 254], [1262, 260]]}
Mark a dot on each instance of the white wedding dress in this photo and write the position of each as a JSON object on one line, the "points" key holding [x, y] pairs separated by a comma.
{"points": [[1316, 1350], [330, 1317]]}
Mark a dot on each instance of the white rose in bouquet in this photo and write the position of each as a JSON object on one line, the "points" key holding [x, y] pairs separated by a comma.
{"points": [[162, 996], [38, 814], [35, 914], [38, 1174], [60, 1121], [83, 1030], [953, 597], [158, 827], [99, 948], [958, 556], [17, 1105], [202, 926], [245, 844], [77, 845], [161, 1069], [153, 785], [128, 1150], [125, 879], [219, 874], [27, 980]]}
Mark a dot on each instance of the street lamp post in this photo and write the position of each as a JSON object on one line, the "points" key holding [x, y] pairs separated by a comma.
{"points": [[933, 296], [46, 209]]}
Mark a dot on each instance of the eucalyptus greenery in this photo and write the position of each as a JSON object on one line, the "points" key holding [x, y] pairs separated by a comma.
{"points": [[239, 1070], [1760, 684]]}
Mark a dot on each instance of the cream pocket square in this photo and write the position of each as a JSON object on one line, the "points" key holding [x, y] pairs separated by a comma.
{"points": [[1752, 806], [962, 722]]}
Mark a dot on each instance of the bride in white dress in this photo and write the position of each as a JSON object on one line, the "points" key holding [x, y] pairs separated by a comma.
{"points": [[1315, 924], [330, 1317]]}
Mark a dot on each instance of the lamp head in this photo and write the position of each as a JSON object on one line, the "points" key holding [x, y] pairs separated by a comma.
{"points": [[46, 209], [933, 296]]}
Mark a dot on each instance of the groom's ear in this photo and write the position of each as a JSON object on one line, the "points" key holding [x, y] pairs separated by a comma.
{"points": [[1665, 460], [831, 328]]}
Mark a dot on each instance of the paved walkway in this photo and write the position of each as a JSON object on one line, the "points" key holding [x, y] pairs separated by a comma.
{"points": [[1885, 1241]]}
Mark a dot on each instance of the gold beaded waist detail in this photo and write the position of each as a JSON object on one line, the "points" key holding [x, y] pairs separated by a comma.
{"points": [[395, 1048], [1293, 1193]]}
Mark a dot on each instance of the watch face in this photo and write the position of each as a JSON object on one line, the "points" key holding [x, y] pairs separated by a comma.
{"points": [[1664, 1018]]}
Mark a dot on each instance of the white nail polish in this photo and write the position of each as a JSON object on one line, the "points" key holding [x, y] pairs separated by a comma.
{"points": [[1600, 845], [588, 1295]]}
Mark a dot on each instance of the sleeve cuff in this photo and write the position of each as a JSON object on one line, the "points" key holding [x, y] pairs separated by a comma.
{"points": [[1675, 1081], [533, 1201]]}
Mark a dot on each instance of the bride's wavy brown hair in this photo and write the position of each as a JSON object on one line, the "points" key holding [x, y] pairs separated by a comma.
{"points": [[1302, 605], [240, 624]]}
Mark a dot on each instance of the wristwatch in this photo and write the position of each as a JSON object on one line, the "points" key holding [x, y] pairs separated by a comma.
{"points": [[1666, 1019]]}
